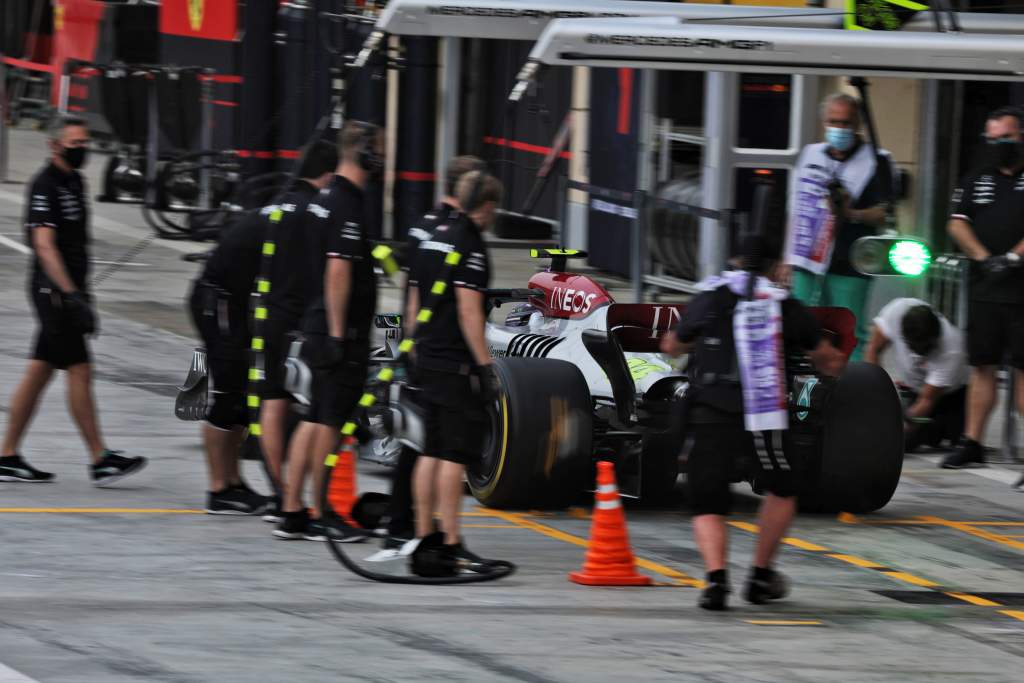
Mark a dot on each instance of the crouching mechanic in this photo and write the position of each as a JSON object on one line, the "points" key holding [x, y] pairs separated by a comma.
{"points": [[336, 327], [453, 367], [928, 362], [723, 427], [219, 306]]}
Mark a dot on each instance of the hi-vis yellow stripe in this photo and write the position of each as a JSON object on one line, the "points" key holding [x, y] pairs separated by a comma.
{"points": [[255, 429], [275, 215], [260, 313], [439, 288], [349, 428], [269, 248], [255, 374], [424, 316], [406, 345], [331, 460], [381, 252], [386, 375], [262, 285], [453, 258], [257, 343], [367, 400], [254, 401]]}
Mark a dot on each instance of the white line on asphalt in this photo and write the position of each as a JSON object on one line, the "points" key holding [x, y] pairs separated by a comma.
{"points": [[999, 474], [16, 246], [9, 675], [100, 262], [117, 227]]}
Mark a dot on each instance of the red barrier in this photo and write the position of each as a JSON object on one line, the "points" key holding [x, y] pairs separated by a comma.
{"points": [[29, 66]]}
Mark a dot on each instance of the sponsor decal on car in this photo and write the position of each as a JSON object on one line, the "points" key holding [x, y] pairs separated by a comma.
{"points": [[571, 300]]}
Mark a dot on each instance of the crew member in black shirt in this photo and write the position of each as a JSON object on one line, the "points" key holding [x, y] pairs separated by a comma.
{"points": [[57, 229], [296, 280], [715, 416], [219, 305], [453, 365], [337, 326], [987, 223]]}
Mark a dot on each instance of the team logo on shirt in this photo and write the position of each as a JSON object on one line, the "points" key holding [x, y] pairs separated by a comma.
{"points": [[69, 206], [318, 211], [351, 231], [984, 190]]}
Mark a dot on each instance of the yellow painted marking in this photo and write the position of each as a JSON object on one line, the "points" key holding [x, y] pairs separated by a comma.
{"points": [[260, 313], [101, 511], [910, 578], [257, 343], [269, 248], [520, 520], [424, 315], [453, 258], [349, 428], [386, 375], [804, 545], [406, 345], [331, 460], [492, 526], [438, 288], [746, 526], [854, 560], [254, 401], [848, 518], [367, 400], [974, 600], [783, 622], [980, 533], [255, 429], [1016, 614]]}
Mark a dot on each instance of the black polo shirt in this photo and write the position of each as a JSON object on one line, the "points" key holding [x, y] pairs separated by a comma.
{"points": [[293, 277], [57, 200], [993, 203], [337, 223], [235, 262], [424, 228], [441, 338]]}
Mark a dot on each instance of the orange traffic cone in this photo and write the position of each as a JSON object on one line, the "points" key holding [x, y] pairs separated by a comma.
{"points": [[609, 560], [341, 491]]}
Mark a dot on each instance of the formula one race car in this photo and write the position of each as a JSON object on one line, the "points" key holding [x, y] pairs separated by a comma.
{"points": [[582, 380]]}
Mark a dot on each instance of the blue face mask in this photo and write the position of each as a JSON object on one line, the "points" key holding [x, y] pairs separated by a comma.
{"points": [[840, 139]]}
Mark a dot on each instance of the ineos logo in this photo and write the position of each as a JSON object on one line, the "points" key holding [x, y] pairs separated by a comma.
{"points": [[571, 300], [670, 318]]}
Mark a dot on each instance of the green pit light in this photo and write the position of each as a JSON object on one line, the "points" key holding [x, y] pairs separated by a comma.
{"points": [[909, 257]]}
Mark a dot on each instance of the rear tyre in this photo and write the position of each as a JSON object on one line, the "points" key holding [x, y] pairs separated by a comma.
{"points": [[539, 450], [862, 443]]}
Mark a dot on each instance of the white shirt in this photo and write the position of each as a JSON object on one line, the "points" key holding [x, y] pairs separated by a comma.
{"points": [[945, 367]]}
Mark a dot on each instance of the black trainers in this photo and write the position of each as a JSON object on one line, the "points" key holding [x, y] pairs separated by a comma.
{"points": [[273, 513], [968, 453], [762, 586], [316, 531], [235, 501], [293, 525], [715, 597], [14, 468], [114, 467]]}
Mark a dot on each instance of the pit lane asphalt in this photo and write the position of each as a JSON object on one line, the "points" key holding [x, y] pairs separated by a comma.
{"points": [[132, 583]]}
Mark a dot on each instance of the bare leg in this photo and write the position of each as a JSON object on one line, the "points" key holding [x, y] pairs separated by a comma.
{"points": [[981, 397], [712, 539], [449, 489], [222, 455], [298, 464], [273, 414], [325, 442], [424, 477], [23, 403], [83, 408], [774, 519]]}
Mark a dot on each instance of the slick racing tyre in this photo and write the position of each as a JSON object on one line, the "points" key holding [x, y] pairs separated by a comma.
{"points": [[539, 448], [861, 444]]}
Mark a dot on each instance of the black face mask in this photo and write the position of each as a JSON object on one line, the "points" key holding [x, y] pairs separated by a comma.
{"points": [[74, 156], [1004, 154]]}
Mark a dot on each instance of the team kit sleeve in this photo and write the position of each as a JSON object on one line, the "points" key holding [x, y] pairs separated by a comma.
{"points": [[42, 206], [960, 204], [890, 317], [474, 269], [694, 318], [345, 240]]}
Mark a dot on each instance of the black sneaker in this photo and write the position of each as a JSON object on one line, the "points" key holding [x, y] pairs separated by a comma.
{"points": [[235, 501], [14, 468], [273, 513], [468, 562], [114, 467], [714, 597], [968, 453], [762, 589], [293, 525]]}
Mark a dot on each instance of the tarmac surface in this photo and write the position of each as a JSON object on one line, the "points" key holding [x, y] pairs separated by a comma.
{"points": [[134, 583]]}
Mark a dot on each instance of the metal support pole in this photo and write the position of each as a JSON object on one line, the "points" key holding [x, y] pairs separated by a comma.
{"points": [[637, 246], [4, 138], [448, 107], [717, 175], [645, 181], [206, 137], [152, 141], [63, 92]]}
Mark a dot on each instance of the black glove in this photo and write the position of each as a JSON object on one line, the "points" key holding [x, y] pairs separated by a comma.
{"points": [[78, 310], [999, 265], [487, 388], [334, 352]]}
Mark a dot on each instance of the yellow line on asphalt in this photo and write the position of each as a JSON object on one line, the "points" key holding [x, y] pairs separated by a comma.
{"points": [[783, 622], [854, 560], [804, 545], [909, 578], [102, 511], [517, 518], [849, 518], [1016, 614], [974, 599], [490, 526], [980, 533], [746, 526]]}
